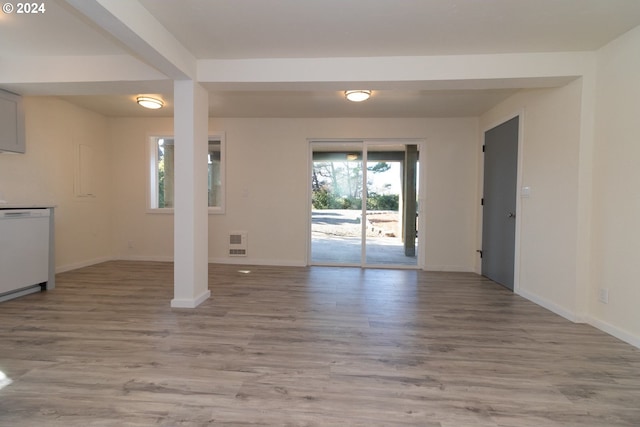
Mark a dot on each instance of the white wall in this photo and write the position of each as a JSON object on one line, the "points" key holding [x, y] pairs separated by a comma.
{"points": [[548, 219], [136, 234], [616, 249], [267, 195], [46, 174]]}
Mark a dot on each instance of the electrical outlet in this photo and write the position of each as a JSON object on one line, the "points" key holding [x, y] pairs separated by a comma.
{"points": [[130, 244], [603, 295]]}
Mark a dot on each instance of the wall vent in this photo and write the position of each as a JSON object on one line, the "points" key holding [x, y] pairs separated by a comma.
{"points": [[238, 243]]}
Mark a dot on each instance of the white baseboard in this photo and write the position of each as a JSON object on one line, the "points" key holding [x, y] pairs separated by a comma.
{"points": [[75, 266], [154, 258], [222, 260], [560, 311], [252, 261], [621, 334], [608, 328], [190, 303], [449, 268]]}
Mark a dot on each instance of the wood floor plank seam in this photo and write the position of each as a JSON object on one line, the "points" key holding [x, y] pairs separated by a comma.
{"points": [[305, 346]]}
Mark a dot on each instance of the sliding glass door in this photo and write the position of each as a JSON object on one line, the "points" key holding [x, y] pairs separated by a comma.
{"points": [[364, 204], [336, 213]]}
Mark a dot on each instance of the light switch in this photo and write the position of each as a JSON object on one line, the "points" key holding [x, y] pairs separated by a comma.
{"points": [[525, 192]]}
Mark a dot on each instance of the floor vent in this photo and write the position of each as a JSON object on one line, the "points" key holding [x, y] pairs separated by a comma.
{"points": [[238, 243]]}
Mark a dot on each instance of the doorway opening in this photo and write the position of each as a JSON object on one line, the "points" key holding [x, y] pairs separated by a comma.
{"points": [[364, 203]]}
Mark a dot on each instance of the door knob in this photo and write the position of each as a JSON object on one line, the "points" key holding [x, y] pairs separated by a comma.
{"points": [[511, 215]]}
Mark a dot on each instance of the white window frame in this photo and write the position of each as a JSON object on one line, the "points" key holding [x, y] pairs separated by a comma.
{"points": [[152, 175]]}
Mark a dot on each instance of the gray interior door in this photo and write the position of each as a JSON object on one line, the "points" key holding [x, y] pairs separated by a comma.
{"points": [[499, 202]]}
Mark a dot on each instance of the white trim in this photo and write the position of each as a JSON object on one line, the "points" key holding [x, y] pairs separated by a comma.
{"points": [[152, 170], [216, 260], [449, 268], [81, 264], [211, 210], [551, 306], [519, 173], [610, 329], [308, 238], [422, 202], [152, 173], [150, 258], [190, 303], [222, 136], [253, 261], [159, 211], [364, 163], [365, 143]]}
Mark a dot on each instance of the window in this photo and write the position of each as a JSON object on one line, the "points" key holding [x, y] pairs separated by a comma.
{"points": [[161, 155]]}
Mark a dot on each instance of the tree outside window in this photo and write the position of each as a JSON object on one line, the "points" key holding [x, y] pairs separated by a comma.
{"points": [[162, 151]]}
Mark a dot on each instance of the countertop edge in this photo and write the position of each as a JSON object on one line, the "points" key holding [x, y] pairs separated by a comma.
{"points": [[26, 206]]}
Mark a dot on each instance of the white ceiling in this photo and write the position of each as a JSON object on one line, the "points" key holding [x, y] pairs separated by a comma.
{"points": [[232, 29], [361, 28]]}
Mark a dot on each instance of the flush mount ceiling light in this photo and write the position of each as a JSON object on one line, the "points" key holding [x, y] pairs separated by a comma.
{"points": [[149, 102], [357, 95]]}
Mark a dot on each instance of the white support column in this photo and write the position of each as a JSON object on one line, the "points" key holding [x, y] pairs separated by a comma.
{"points": [[191, 285]]}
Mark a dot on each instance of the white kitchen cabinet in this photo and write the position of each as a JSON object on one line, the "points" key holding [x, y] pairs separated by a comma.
{"points": [[11, 123]]}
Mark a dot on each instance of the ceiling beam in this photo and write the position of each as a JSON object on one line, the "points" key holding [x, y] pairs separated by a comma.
{"points": [[132, 24], [479, 71], [69, 69]]}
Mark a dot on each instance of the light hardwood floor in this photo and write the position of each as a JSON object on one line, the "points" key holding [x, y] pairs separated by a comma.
{"points": [[313, 346]]}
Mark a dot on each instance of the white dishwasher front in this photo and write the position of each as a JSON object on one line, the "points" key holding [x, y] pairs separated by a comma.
{"points": [[24, 250]]}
